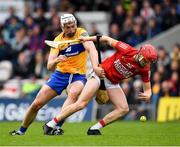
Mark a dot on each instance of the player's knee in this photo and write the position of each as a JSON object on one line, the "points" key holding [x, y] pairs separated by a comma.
{"points": [[123, 109], [35, 106], [73, 94], [126, 110]]}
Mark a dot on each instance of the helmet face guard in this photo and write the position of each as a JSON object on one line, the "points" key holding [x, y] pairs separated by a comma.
{"points": [[146, 55], [141, 60]]}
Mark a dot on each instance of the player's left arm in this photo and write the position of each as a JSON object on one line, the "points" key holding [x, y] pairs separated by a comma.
{"points": [[105, 39], [147, 92], [90, 47]]}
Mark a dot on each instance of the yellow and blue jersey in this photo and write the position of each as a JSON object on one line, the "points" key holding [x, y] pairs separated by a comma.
{"points": [[76, 53]]}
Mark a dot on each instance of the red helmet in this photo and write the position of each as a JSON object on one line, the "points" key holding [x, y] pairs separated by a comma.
{"points": [[149, 52]]}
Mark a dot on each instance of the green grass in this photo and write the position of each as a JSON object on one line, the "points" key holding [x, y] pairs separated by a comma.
{"points": [[119, 133]]}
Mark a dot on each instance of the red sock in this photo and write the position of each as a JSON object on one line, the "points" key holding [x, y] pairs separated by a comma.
{"points": [[102, 122], [56, 120]]}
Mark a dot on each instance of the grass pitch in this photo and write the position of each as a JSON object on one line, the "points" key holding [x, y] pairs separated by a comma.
{"points": [[116, 134]]}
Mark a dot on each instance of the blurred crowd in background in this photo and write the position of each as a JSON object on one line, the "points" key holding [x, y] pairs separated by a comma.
{"points": [[23, 54]]}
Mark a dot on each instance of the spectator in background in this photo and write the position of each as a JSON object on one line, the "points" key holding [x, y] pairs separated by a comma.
{"points": [[166, 6], [127, 28], [165, 89], [64, 5], [175, 54], [10, 29], [127, 4], [174, 84], [114, 31], [53, 12], [170, 19], [152, 29], [158, 15], [126, 87], [135, 7], [163, 58], [40, 69], [23, 67], [136, 36], [20, 43], [5, 50], [12, 14], [118, 15], [29, 24], [94, 29], [53, 3], [27, 10], [53, 28], [30, 88], [40, 19], [40, 4], [174, 67], [156, 86], [137, 88], [178, 7], [147, 12], [103, 5], [37, 40], [162, 71], [130, 14]]}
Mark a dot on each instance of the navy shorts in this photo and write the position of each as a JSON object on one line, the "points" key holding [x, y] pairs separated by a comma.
{"points": [[59, 81]]}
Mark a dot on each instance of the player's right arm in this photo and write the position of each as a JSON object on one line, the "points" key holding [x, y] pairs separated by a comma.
{"points": [[106, 39], [54, 59]]}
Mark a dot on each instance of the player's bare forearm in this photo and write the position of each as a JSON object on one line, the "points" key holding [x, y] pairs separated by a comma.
{"points": [[146, 95], [108, 40], [53, 61], [90, 47], [51, 66]]}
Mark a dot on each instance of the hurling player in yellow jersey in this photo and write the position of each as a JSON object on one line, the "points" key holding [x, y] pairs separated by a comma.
{"points": [[68, 63]]}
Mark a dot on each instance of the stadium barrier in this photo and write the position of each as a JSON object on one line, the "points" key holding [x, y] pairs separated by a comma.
{"points": [[167, 38], [14, 110], [168, 109]]}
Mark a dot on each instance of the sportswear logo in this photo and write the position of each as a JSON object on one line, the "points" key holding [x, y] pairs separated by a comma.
{"points": [[49, 80], [122, 69], [68, 49], [72, 54]]}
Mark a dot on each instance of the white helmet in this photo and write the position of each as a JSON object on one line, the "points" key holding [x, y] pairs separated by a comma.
{"points": [[66, 18]]}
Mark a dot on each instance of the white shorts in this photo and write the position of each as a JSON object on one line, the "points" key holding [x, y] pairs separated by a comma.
{"points": [[108, 84]]}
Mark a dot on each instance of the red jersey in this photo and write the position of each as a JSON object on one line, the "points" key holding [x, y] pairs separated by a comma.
{"points": [[121, 65]]}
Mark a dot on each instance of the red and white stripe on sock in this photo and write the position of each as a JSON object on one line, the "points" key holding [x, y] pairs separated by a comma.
{"points": [[98, 125], [52, 123]]}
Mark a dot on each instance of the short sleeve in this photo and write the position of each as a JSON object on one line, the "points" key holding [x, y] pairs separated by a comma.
{"points": [[83, 33], [55, 50], [122, 46], [146, 76]]}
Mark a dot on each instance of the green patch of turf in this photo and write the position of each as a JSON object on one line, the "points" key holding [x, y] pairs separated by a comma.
{"points": [[119, 133]]}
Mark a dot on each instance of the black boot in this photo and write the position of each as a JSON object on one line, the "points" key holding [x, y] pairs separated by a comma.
{"points": [[93, 132], [50, 131]]}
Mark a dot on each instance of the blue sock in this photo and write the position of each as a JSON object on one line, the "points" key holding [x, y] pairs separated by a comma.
{"points": [[59, 124], [22, 129]]}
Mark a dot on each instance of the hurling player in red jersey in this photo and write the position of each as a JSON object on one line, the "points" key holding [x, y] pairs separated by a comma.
{"points": [[124, 63]]}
